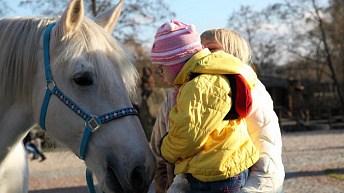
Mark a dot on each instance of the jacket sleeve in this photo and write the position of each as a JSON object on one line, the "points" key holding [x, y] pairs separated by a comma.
{"points": [[200, 109]]}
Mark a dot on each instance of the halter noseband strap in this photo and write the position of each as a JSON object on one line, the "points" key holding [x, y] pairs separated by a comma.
{"points": [[92, 122]]}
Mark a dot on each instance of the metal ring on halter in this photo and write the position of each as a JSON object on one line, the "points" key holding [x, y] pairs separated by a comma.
{"points": [[49, 83], [93, 123]]}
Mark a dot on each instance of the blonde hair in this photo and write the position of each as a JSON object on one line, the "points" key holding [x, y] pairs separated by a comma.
{"points": [[231, 42]]}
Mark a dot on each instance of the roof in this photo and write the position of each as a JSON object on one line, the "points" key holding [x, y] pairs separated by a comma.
{"points": [[274, 82]]}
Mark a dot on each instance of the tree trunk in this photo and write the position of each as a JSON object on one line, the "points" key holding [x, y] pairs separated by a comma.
{"points": [[328, 55], [93, 7]]}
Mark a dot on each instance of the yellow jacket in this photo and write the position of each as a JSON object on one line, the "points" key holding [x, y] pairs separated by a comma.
{"points": [[200, 142]]}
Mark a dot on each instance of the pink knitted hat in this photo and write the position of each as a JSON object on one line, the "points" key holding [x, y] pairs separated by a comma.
{"points": [[175, 42]]}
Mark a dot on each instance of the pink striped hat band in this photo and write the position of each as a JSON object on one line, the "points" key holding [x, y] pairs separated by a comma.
{"points": [[175, 42]]}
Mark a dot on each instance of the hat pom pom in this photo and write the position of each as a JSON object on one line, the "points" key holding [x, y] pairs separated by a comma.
{"points": [[168, 27], [191, 28]]}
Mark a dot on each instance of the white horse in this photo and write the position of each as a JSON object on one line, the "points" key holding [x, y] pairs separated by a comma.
{"points": [[14, 172], [96, 75]]}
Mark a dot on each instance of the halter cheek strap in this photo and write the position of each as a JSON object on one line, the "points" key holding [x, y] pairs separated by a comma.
{"points": [[48, 77], [92, 122]]}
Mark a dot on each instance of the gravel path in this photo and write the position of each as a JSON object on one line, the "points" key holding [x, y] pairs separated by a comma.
{"points": [[306, 155]]}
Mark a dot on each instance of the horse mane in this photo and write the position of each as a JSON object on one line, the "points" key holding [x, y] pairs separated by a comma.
{"points": [[20, 38]]}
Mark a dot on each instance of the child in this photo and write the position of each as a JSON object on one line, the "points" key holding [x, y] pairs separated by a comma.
{"points": [[267, 175], [213, 152]]}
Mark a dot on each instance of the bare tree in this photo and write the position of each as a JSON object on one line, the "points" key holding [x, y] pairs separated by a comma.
{"points": [[136, 15], [264, 44], [4, 8], [305, 35], [334, 30], [310, 39], [327, 50]]}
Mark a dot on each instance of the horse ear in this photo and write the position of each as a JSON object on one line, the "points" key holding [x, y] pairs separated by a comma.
{"points": [[108, 19], [71, 18]]}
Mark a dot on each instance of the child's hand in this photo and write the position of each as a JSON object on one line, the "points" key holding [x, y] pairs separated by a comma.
{"points": [[180, 185]]}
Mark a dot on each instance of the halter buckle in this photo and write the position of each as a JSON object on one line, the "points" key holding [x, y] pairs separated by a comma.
{"points": [[50, 85], [93, 123]]}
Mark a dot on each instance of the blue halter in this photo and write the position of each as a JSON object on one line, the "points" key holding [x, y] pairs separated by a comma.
{"points": [[92, 122]]}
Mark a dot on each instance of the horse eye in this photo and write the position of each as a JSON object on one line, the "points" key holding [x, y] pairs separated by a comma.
{"points": [[83, 79]]}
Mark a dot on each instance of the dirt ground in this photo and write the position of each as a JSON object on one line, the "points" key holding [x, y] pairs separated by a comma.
{"points": [[306, 156], [61, 172]]}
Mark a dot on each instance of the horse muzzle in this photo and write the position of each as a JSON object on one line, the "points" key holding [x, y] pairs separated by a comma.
{"points": [[123, 177]]}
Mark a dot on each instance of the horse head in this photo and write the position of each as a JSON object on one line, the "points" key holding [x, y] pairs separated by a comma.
{"points": [[95, 72]]}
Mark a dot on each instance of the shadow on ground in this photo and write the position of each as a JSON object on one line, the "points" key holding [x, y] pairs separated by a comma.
{"points": [[325, 172], [303, 174], [81, 189]]}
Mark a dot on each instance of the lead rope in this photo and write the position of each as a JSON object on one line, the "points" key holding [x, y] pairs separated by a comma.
{"points": [[90, 182], [92, 122]]}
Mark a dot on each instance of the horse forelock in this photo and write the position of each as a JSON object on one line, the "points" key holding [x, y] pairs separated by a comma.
{"points": [[19, 41], [101, 49]]}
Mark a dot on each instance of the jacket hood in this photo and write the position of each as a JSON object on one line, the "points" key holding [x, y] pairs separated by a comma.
{"points": [[205, 62]]}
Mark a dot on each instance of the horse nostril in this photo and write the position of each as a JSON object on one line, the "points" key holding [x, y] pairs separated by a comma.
{"points": [[138, 180]]}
